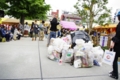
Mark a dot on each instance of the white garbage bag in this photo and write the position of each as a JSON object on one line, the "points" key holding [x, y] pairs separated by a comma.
{"points": [[77, 63], [80, 42], [67, 55], [50, 49], [98, 54], [90, 59], [88, 46], [54, 56]]}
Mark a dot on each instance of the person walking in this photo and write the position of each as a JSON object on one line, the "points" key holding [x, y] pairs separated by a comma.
{"points": [[35, 30], [115, 45], [41, 31], [31, 30]]}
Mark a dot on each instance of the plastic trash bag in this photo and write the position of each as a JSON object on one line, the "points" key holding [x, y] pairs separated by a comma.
{"points": [[80, 42], [79, 53], [98, 54], [66, 47], [54, 56], [84, 60], [83, 57], [50, 49], [90, 59], [69, 39], [79, 35], [88, 46], [77, 63], [58, 44], [79, 45], [67, 55]]}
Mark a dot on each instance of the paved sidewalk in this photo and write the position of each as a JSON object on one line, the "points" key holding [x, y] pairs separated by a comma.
{"points": [[26, 60]]}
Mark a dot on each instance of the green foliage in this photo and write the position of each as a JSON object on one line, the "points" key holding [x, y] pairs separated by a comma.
{"points": [[28, 8], [3, 5], [93, 11], [32, 9]]}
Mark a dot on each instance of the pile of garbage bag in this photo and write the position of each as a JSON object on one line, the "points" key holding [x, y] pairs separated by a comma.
{"points": [[83, 52]]}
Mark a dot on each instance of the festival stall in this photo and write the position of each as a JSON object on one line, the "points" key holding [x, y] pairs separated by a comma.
{"points": [[107, 32], [106, 29], [13, 21]]}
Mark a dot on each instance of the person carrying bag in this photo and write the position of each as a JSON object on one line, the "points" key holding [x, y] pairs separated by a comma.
{"points": [[115, 45]]}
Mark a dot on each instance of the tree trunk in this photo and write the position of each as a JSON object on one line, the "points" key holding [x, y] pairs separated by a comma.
{"points": [[87, 26], [90, 26], [22, 18]]}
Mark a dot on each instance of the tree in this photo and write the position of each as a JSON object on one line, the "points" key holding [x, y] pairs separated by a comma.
{"points": [[84, 16], [3, 6], [93, 11], [32, 9]]}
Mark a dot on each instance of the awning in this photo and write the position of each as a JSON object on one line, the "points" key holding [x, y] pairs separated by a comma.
{"points": [[107, 26], [68, 25], [8, 20], [2, 19]]}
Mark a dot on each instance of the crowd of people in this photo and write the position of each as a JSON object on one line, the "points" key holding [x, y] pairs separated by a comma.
{"points": [[8, 33], [15, 32]]}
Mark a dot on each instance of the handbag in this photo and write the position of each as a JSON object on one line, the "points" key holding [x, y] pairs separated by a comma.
{"points": [[108, 57]]}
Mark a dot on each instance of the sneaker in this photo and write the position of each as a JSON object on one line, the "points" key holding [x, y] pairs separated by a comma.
{"points": [[113, 76]]}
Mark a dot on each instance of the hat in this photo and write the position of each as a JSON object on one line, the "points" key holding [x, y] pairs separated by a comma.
{"points": [[118, 14]]}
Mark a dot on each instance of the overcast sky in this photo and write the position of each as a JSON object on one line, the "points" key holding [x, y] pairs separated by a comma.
{"points": [[68, 5]]}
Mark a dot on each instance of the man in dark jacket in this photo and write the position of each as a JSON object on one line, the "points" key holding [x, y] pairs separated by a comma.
{"points": [[35, 29], [53, 28], [115, 45]]}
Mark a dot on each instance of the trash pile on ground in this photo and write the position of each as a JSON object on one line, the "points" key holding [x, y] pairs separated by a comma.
{"points": [[76, 49]]}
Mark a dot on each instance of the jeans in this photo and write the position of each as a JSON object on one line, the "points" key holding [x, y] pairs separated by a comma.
{"points": [[52, 34]]}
